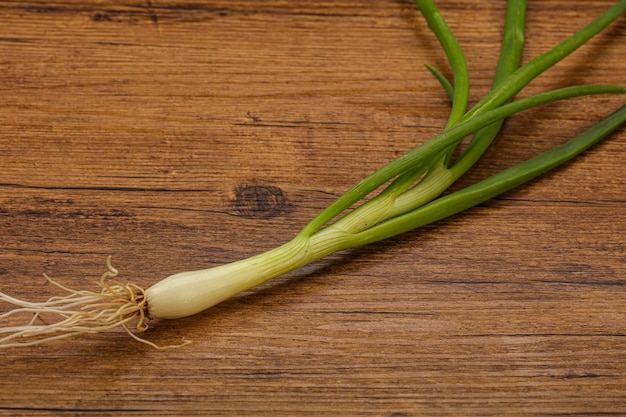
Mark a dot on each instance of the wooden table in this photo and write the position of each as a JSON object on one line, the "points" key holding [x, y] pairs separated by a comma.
{"points": [[179, 135]]}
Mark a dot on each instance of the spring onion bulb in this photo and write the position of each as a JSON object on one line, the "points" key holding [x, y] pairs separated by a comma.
{"points": [[412, 198]]}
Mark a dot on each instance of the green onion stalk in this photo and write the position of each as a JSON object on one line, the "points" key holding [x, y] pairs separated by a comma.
{"points": [[412, 195]]}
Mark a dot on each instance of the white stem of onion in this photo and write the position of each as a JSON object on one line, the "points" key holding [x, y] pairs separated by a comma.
{"points": [[188, 293]]}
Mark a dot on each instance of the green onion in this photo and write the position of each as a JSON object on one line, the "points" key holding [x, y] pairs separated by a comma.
{"points": [[413, 185]]}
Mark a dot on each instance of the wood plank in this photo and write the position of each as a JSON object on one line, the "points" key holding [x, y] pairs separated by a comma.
{"points": [[178, 135]]}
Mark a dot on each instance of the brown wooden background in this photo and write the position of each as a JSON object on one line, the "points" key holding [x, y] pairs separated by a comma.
{"points": [[177, 135]]}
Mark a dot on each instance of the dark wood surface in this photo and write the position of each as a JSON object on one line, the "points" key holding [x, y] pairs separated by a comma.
{"points": [[178, 135]]}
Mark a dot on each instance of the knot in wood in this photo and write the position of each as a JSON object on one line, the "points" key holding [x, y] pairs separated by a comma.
{"points": [[260, 201]]}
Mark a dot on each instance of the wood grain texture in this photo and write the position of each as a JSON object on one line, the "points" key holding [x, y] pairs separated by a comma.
{"points": [[176, 135]]}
